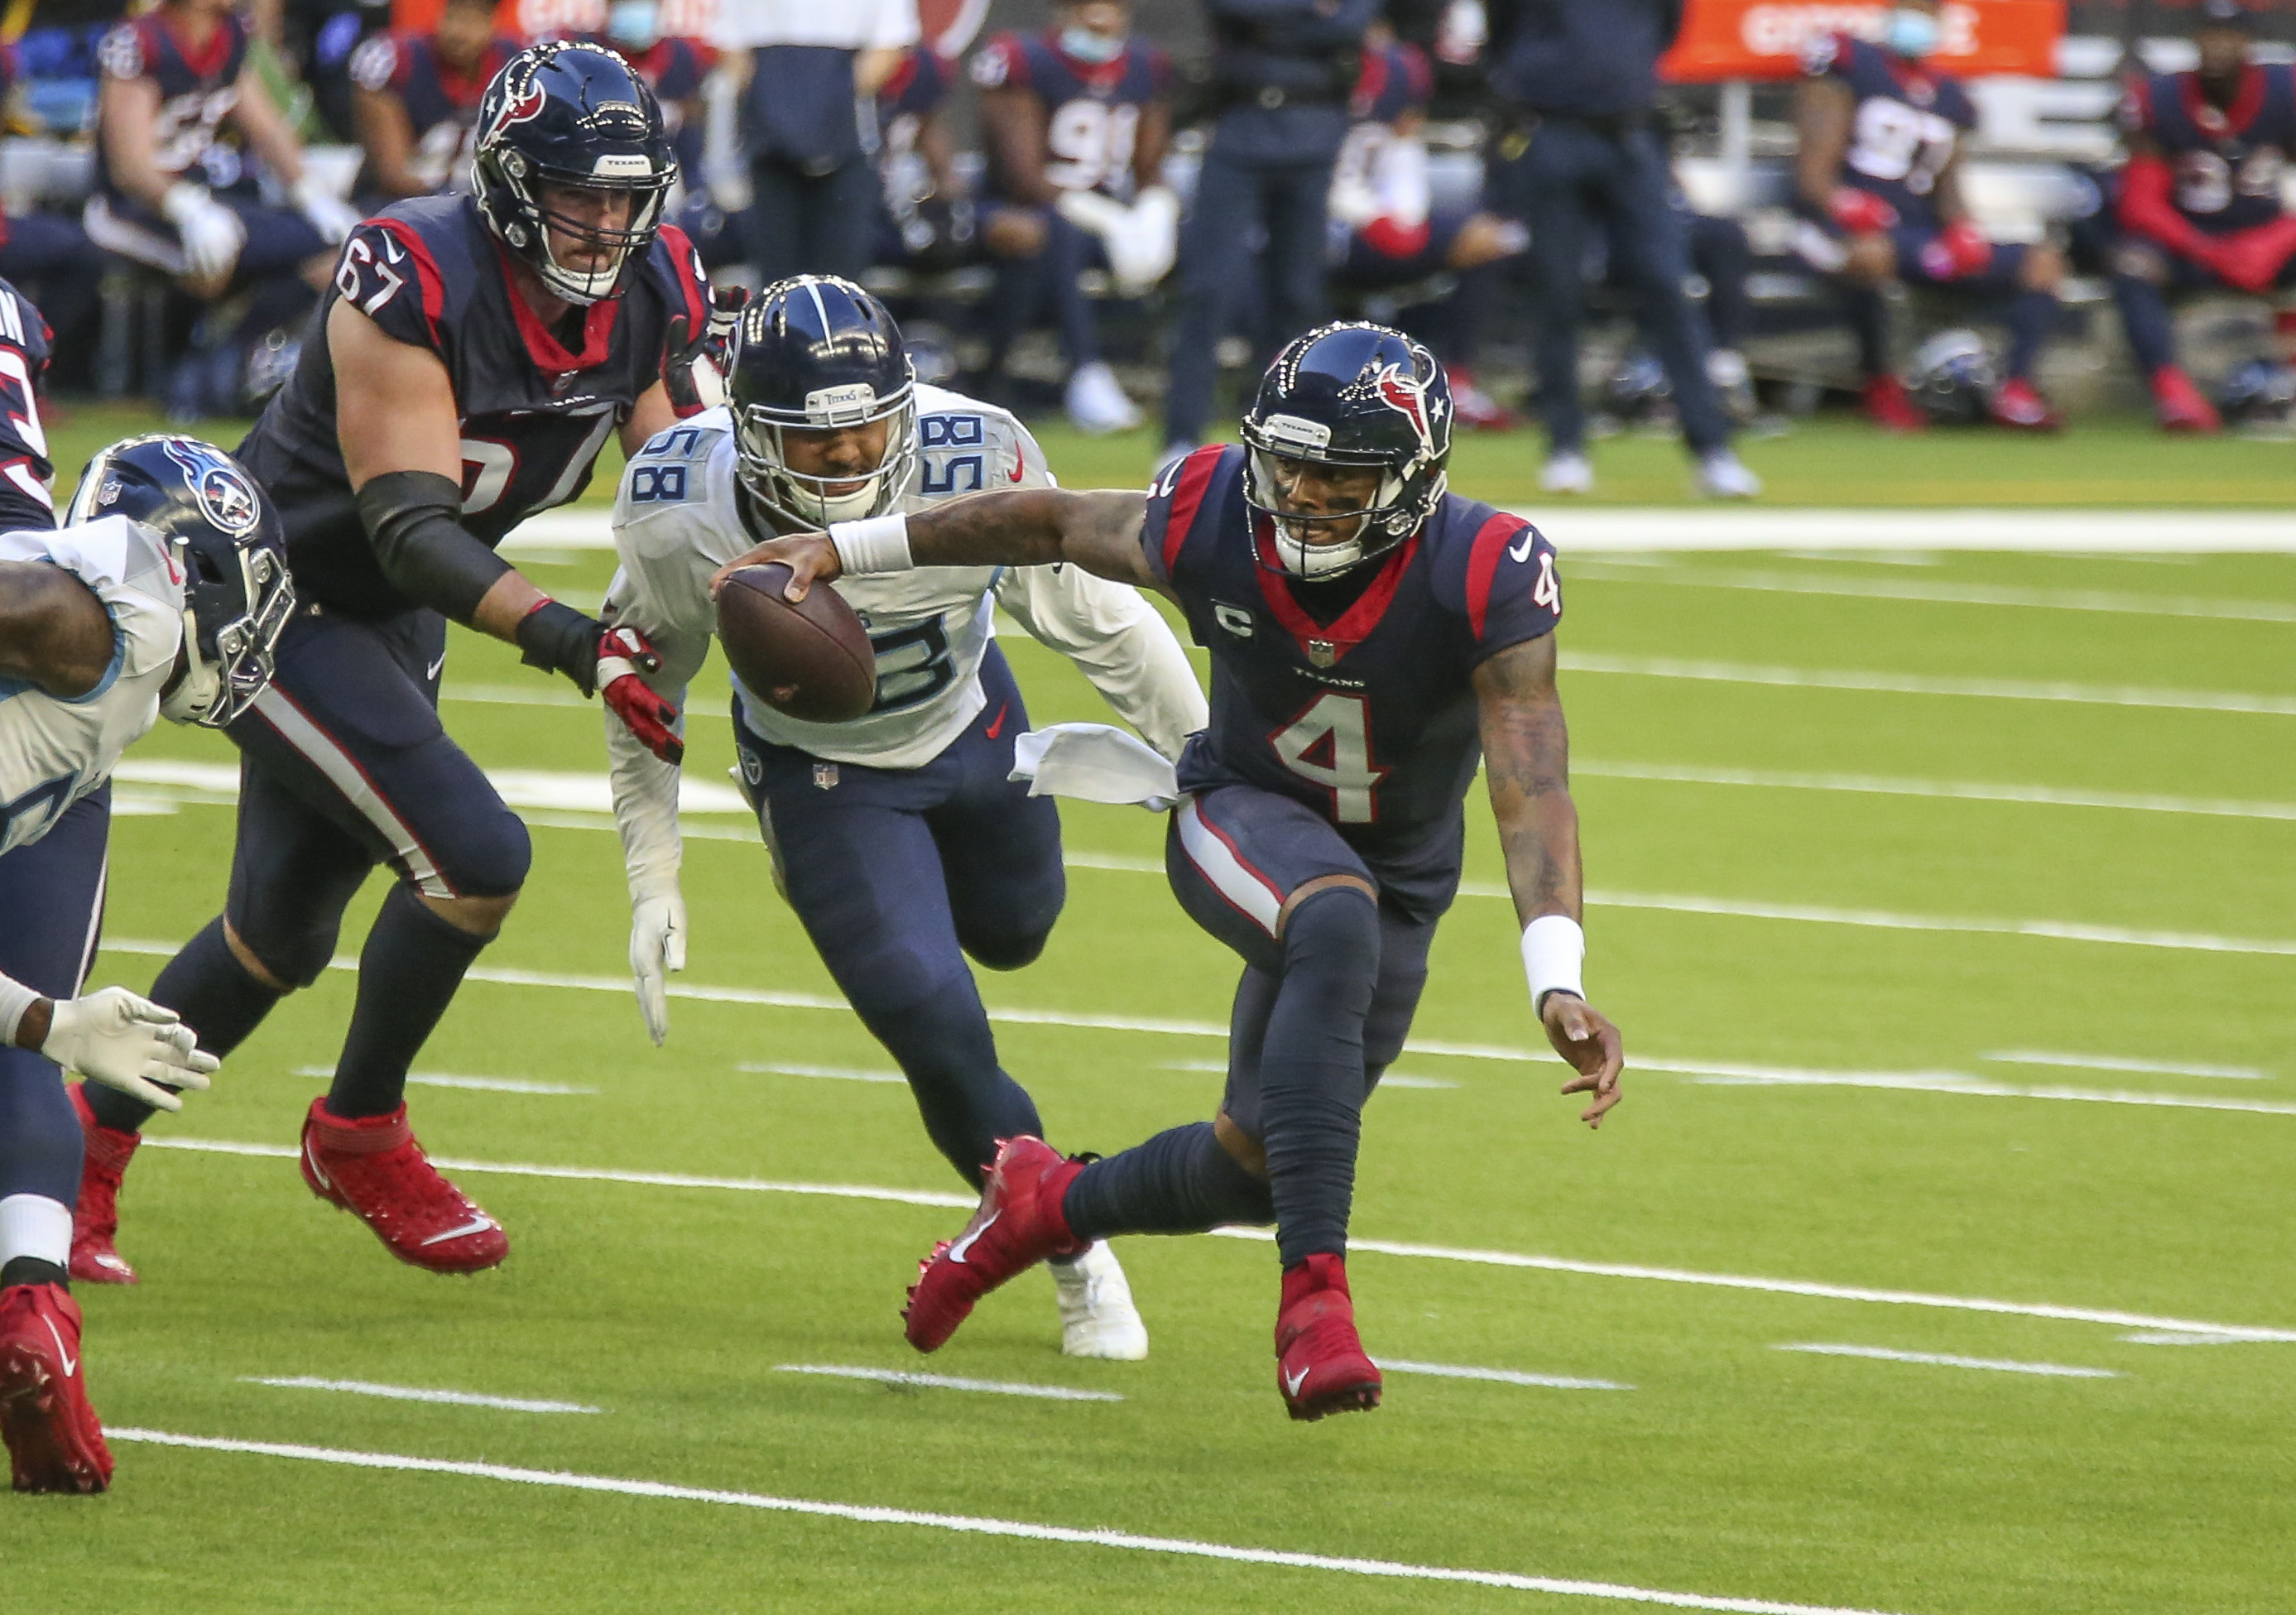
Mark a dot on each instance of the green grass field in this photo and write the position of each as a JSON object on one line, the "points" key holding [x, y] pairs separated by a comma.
{"points": [[1824, 915]]}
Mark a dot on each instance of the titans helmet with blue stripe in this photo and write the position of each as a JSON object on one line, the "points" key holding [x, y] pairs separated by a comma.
{"points": [[1348, 395], [224, 535]]}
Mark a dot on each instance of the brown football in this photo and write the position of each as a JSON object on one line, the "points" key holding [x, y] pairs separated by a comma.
{"points": [[811, 659]]}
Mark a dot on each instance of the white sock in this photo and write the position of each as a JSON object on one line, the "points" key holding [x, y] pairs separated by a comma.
{"points": [[33, 1225]]}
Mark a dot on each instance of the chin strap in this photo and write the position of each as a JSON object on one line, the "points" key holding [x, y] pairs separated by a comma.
{"points": [[193, 695]]}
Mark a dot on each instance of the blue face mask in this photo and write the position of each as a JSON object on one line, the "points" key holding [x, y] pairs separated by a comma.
{"points": [[635, 23], [1912, 34], [1085, 45]]}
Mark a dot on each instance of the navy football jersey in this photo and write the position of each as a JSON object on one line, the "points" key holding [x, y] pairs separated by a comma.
{"points": [[442, 105], [2225, 162], [1352, 696], [25, 473], [1093, 108], [197, 89], [535, 413], [1907, 122]]}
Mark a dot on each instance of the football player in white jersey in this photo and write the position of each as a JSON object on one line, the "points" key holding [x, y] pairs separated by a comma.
{"points": [[900, 838], [163, 594]]}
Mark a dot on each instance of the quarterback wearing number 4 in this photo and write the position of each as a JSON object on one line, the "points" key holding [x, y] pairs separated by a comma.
{"points": [[1369, 634], [900, 839]]}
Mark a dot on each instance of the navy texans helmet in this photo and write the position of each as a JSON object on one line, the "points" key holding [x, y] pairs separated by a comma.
{"points": [[815, 353], [223, 533], [1952, 378], [571, 114], [2259, 395], [1352, 394]]}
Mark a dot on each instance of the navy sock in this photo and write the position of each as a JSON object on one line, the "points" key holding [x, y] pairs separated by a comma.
{"points": [[2144, 315], [217, 999], [1311, 1070], [408, 971], [1178, 1182], [1869, 323], [2031, 315]]}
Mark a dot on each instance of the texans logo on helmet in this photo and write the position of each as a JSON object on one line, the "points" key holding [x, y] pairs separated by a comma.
{"points": [[1408, 398], [521, 102]]}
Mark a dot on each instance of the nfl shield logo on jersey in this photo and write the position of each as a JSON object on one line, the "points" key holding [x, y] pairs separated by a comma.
{"points": [[1322, 652], [824, 776]]}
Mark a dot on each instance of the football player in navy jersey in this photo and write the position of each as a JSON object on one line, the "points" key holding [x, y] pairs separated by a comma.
{"points": [[471, 358], [1077, 120], [170, 192], [1372, 638], [2201, 200], [414, 100], [673, 68], [1877, 182]]}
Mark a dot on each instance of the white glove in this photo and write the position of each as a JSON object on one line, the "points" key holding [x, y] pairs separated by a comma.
{"points": [[329, 215], [127, 1043], [657, 946], [212, 234], [1144, 252]]}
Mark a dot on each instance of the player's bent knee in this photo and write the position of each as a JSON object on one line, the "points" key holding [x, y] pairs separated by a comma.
{"points": [[1242, 1147], [479, 916], [1000, 949], [489, 860], [295, 964]]}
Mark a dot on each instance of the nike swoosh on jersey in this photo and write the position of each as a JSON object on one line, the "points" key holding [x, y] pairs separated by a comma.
{"points": [[1020, 463], [1293, 1381], [1519, 550], [70, 1362], [477, 1224], [991, 731], [431, 671], [956, 1251]]}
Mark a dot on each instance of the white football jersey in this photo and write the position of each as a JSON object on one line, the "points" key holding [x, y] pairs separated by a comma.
{"points": [[676, 522], [55, 752]]}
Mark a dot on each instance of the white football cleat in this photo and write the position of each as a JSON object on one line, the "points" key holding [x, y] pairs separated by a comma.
{"points": [[1569, 472], [1096, 403], [1722, 475], [1097, 1317]]}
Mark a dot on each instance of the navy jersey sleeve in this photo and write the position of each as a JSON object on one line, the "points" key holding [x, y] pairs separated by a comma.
{"points": [[1829, 56], [673, 264], [1180, 502], [388, 272], [1955, 105], [379, 63], [1002, 63], [25, 471], [1508, 590]]}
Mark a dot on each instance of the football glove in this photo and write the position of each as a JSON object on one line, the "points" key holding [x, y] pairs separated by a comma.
{"points": [[127, 1043], [329, 215], [211, 233], [657, 948], [623, 653], [2252, 260], [698, 365], [1958, 250], [1859, 212]]}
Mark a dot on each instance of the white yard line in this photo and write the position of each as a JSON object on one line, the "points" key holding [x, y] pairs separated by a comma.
{"points": [[2102, 533], [1503, 1377], [2056, 1371], [1920, 684], [941, 1381], [1728, 1073], [1489, 1258], [839, 1073], [1966, 791], [439, 1080], [2115, 1063], [976, 1525], [408, 1393], [1923, 592]]}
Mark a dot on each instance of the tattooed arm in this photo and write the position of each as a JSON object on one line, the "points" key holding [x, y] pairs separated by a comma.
{"points": [[1027, 527], [1527, 756]]}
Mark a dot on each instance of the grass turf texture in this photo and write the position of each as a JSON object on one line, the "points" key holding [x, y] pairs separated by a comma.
{"points": [[1730, 1469]]}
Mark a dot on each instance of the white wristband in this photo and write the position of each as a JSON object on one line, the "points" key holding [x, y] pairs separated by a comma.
{"points": [[15, 998], [880, 543], [1553, 949]]}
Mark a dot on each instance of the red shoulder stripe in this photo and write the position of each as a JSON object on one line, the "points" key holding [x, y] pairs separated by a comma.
{"points": [[1490, 545], [426, 269], [688, 264], [1187, 498]]}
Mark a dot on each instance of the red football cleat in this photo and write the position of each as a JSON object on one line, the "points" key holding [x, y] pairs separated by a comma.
{"points": [[104, 1154], [1473, 408], [2017, 407], [2178, 405], [1889, 408], [1321, 1366], [1019, 1225], [54, 1439], [373, 1168]]}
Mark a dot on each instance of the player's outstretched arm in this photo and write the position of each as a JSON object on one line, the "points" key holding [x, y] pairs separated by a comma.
{"points": [[54, 633], [1099, 531], [1527, 756]]}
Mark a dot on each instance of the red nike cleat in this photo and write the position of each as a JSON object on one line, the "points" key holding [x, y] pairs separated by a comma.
{"points": [[1888, 407], [373, 1168], [1473, 408], [104, 1154], [1321, 1366], [54, 1439], [2017, 407], [2177, 405], [1019, 1225]]}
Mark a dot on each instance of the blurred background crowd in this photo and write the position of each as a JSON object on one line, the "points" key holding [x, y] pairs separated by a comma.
{"points": [[1697, 216]]}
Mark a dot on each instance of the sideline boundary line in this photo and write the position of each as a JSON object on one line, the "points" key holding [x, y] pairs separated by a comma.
{"points": [[1489, 1258], [983, 1526]]}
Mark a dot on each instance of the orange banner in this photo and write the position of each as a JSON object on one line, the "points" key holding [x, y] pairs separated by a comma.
{"points": [[527, 19], [1764, 38]]}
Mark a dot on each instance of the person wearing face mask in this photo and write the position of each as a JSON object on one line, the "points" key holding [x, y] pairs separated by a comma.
{"points": [[414, 99], [1877, 182], [673, 68], [2200, 200], [1077, 119]]}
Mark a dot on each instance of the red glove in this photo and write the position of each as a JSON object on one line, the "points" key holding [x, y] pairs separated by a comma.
{"points": [[1860, 212], [623, 653], [2252, 260], [1958, 249], [1390, 238]]}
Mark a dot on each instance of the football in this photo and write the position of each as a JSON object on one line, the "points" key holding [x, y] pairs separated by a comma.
{"points": [[810, 660]]}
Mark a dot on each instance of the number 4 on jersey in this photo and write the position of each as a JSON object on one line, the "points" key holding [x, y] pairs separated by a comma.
{"points": [[1330, 744]]}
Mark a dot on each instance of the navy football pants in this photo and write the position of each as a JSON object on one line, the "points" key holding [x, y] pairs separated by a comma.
{"points": [[52, 896], [897, 874]]}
